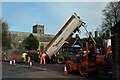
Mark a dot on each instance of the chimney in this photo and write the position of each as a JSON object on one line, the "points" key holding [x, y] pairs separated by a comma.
{"points": [[77, 35], [103, 35], [96, 34], [90, 34], [108, 34]]}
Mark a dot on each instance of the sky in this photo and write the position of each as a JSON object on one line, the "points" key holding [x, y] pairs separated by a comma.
{"points": [[21, 16]]}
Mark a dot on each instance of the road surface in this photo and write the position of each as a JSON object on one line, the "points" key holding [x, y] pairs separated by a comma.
{"points": [[47, 71]]}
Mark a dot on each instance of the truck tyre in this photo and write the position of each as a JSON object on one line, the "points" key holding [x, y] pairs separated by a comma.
{"points": [[69, 67], [60, 59], [83, 71]]}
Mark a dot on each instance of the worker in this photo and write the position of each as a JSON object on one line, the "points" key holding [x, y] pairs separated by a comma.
{"points": [[81, 51], [91, 48], [24, 56], [39, 55], [39, 52], [4, 57], [110, 60], [43, 58], [28, 56]]}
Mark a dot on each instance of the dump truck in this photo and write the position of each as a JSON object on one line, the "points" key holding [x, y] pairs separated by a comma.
{"points": [[68, 30]]}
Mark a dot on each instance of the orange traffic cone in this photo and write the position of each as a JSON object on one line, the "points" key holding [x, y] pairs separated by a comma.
{"points": [[14, 62], [65, 69], [30, 63]]}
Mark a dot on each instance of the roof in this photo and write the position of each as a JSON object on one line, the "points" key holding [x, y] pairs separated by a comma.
{"points": [[23, 35]]}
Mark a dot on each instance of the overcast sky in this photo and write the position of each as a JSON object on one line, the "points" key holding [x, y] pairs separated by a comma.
{"points": [[21, 16]]}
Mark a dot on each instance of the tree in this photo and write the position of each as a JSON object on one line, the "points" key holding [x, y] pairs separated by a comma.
{"points": [[16, 43], [6, 38], [31, 42], [111, 15]]}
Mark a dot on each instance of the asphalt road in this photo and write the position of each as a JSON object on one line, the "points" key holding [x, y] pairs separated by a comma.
{"points": [[47, 71]]}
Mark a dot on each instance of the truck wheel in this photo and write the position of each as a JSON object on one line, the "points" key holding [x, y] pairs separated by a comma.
{"points": [[69, 68], [83, 71], [60, 60]]}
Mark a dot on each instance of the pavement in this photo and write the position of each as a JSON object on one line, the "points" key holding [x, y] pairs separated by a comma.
{"points": [[47, 71]]}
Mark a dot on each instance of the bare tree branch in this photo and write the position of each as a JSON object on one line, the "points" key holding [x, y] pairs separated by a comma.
{"points": [[111, 15]]}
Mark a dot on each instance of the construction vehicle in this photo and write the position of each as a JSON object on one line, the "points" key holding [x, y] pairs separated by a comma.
{"points": [[85, 61], [104, 55], [90, 59], [107, 56], [72, 25]]}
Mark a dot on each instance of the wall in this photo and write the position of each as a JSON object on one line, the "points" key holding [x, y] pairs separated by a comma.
{"points": [[17, 37], [42, 45], [115, 40]]}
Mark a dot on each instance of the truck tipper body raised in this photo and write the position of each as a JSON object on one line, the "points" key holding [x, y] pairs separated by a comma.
{"points": [[72, 25]]}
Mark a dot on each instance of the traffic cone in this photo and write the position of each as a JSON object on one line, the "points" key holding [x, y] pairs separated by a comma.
{"points": [[10, 62], [30, 63], [14, 62], [65, 69]]}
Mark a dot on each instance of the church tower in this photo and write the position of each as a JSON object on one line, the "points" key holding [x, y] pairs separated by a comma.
{"points": [[38, 29]]}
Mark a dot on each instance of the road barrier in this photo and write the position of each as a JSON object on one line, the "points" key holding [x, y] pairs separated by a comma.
{"points": [[10, 62], [16, 57]]}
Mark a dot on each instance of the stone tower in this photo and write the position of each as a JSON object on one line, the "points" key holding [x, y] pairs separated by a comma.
{"points": [[38, 29]]}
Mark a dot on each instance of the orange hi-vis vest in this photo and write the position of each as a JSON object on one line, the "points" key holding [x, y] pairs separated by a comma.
{"points": [[43, 55]]}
